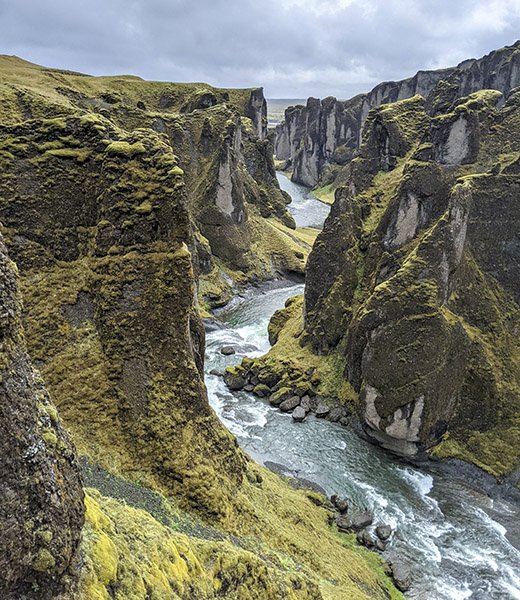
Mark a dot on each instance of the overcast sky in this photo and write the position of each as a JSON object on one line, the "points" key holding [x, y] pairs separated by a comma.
{"points": [[293, 48]]}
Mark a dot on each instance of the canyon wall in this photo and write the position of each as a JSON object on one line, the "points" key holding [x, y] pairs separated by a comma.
{"points": [[318, 140]]}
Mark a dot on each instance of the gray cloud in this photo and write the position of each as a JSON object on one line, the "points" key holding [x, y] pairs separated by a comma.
{"points": [[294, 48]]}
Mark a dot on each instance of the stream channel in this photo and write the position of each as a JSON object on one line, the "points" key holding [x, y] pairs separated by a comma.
{"points": [[459, 543]]}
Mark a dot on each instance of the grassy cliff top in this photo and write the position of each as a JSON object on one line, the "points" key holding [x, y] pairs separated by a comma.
{"points": [[72, 90]]}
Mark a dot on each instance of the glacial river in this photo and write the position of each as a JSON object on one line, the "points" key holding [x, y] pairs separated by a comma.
{"points": [[458, 543]]}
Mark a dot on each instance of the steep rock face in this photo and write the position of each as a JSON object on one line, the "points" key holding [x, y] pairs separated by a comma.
{"points": [[97, 223], [320, 138], [413, 283], [41, 498]]}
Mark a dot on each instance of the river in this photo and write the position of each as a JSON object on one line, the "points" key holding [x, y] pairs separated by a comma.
{"points": [[459, 543]]}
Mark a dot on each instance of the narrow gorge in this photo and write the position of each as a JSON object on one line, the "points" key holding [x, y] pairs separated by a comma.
{"points": [[213, 385]]}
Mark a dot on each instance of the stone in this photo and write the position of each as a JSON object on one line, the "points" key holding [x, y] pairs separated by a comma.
{"points": [[322, 410], [249, 387], [343, 523], [341, 505], [268, 377], [380, 546], [305, 403], [299, 414], [227, 350], [401, 574], [290, 404], [365, 539], [280, 395], [383, 532], [216, 372], [360, 519], [234, 379], [335, 414], [261, 390]]}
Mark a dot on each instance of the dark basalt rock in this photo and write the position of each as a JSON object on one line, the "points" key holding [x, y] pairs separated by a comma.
{"points": [[290, 404], [41, 502], [360, 519], [401, 574], [327, 132], [434, 296], [383, 532], [322, 410], [227, 350]]}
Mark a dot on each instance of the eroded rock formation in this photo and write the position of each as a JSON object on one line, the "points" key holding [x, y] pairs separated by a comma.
{"points": [[319, 139], [114, 193]]}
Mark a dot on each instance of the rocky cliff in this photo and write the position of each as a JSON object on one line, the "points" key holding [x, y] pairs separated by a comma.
{"points": [[319, 139], [412, 287], [41, 495], [114, 194]]}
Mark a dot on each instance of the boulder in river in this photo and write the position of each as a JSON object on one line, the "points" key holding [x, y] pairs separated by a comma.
{"points": [[306, 403], [280, 395], [299, 414], [360, 519], [335, 414], [401, 574], [227, 350], [322, 410], [341, 504], [216, 372], [261, 390], [383, 532], [235, 378]]}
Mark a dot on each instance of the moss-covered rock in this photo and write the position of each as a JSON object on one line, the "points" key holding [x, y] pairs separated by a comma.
{"points": [[413, 283], [41, 504]]}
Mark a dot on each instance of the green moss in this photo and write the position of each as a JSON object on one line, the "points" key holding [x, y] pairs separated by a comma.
{"points": [[44, 561], [324, 194], [49, 437], [126, 149], [144, 208], [44, 535]]}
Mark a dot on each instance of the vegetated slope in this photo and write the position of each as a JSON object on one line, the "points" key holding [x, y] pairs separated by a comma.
{"points": [[101, 206], [411, 298], [319, 140]]}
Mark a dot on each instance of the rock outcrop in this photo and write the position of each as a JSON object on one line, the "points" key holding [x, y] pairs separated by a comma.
{"points": [[412, 287], [41, 495], [319, 139]]}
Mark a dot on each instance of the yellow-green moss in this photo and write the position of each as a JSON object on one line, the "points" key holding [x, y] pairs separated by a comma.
{"points": [[324, 194], [125, 149], [43, 561]]}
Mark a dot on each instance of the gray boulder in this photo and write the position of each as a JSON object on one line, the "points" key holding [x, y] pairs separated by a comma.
{"points": [[299, 414], [227, 350], [401, 574], [383, 532], [290, 404]]}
